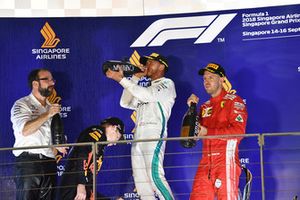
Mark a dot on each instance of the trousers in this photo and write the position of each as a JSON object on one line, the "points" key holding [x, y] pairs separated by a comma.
{"points": [[148, 172], [35, 177]]}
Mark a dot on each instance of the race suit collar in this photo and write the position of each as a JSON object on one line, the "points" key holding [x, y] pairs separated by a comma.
{"points": [[219, 97], [157, 80]]}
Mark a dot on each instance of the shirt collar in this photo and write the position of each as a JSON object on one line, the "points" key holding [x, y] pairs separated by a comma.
{"points": [[34, 99]]}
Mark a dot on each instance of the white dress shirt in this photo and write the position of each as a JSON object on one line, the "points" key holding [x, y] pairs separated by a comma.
{"points": [[26, 109]]}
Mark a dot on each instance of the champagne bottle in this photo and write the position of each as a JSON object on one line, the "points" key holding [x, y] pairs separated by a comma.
{"points": [[128, 68], [57, 130], [189, 126]]}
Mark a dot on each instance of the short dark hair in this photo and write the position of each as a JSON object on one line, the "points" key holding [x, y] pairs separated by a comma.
{"points": [[34, 76]]}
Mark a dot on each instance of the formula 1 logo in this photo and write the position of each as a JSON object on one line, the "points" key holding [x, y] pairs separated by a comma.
{"points": [[204, 28], [50, 37]]}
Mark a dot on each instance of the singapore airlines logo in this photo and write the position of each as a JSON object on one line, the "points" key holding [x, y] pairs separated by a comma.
{"points": [[48, 50], [55, 98], [203, 28], [50, 37]]}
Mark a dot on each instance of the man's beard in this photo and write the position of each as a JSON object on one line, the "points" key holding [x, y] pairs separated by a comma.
{"points": [[45, 92]]}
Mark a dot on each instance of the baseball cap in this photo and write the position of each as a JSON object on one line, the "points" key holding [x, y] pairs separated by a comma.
{"points": [[154, 56], [114, 121], [213, 68]]}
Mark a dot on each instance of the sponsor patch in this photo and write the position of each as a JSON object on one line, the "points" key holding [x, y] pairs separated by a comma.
{"points": [[238, 112], [222, 104], [207, 102], [95, 135], [229, 96], [206, 112], [239, 118], [218, 183], [161, 86], [239, 106]]}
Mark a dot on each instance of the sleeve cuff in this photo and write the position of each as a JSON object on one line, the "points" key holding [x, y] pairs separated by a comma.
{"points": [[125, 82]]}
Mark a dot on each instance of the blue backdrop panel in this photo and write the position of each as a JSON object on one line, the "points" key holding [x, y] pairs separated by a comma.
{"points": [[259, 48]]}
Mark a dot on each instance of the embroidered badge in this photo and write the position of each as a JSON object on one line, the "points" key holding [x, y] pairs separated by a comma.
{"points": [[239, 118], [218, 183], [206, 112], [239, 106], [222, 104]]}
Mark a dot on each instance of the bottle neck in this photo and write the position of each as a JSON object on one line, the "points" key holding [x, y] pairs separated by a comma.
{"points": [[192, 108]]}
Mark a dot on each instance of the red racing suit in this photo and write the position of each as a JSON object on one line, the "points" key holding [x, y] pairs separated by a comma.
{"points": [[219, 169]]}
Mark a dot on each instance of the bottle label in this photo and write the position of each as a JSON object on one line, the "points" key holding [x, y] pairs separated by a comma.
{"points": [[197, 125], [185, 131]]}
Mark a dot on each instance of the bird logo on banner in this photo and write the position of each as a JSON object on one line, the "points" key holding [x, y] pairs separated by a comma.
{"points": [[50, 37]]}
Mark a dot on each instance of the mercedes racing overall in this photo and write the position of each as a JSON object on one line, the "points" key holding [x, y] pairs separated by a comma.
{"points": [[219, 169], [153, 105]]}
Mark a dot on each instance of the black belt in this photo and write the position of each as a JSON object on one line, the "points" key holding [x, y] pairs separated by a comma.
{"points": [[34, 155]]}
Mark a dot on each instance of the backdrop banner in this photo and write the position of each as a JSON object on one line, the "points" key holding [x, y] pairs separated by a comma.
{"points": [[259, 49]]}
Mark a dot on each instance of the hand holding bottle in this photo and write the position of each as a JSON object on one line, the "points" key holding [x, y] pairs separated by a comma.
{"points": [[193, 98], [142, 73], [54, 109], [115, 75], [202, 131]]}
